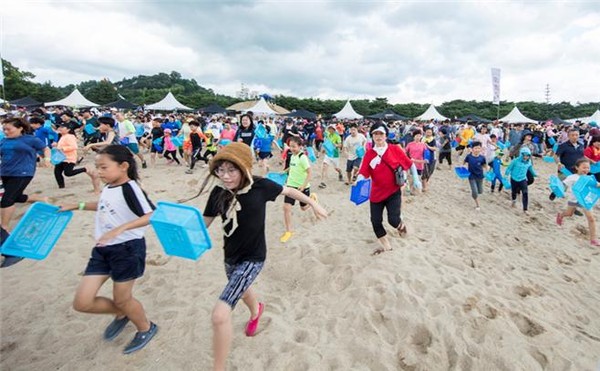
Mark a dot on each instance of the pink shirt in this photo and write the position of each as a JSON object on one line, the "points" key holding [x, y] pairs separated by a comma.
{"points": [[228, 134], [416, 151]]}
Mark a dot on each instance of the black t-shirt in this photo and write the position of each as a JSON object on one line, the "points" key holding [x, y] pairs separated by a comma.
{"points": [[246, 134], [157, 133], [287, 131], [247, 242]]}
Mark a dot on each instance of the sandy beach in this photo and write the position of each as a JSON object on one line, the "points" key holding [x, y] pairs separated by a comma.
{"points": [[464, 290]]}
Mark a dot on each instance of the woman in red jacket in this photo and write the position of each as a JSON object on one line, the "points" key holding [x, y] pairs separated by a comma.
{"points": [[592, 152], [379, 164]]}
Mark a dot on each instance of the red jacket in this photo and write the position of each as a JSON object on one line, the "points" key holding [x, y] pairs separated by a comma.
{"points": [[383, 180]]}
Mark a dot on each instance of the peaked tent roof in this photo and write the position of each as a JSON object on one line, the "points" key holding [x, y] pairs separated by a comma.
{"points": [[25, 102], [302, 113], [388, 114], [516, 117], [245, 106], [75, 99], [558, 121], [122, 103], [347, 112], [594, 117], [261, 108], [168, 103], [431, 114], [213, 108], [473, 118]]}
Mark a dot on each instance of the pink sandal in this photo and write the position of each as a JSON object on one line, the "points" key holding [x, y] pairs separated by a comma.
{"points": [[559, 219], [252, 324], [595, 243]]}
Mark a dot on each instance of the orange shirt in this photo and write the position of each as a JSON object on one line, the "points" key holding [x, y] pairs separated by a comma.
{"points": [[68, 145]]}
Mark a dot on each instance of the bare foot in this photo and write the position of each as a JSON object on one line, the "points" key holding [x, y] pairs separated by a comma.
{"points": [[379, 250]]}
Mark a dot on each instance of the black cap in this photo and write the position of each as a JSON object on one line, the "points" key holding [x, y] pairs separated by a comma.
{"points": [[68, 113]]}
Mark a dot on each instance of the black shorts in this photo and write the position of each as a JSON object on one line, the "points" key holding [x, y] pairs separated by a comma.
{"points": [[14, 186], [122, 262], [291, 201], [264, 155], [353, 164], [460, 148]]}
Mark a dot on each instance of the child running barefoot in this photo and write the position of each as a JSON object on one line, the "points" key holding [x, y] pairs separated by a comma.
{"points": [[477, 165], [240, 199], [582, 168], [123, 212], [517, 171]]}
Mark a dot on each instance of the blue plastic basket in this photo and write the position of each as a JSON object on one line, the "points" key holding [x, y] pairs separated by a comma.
{"points": [[360, 192], [548, 159], [551, 141], [260, 131], [595, 168], [360, 152], [278, 178], [57, 156], [557, 186], [462, 172], [89, 129], [565, 171], [177, 141], [555, 148], [586, 192], [490, 175], [311, 154], [224, 142], [329, 148], [506, 184], [180, 230], [37, 232]]}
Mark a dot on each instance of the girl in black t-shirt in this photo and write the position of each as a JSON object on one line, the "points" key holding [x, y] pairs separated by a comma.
{"points": [[240, 199]]}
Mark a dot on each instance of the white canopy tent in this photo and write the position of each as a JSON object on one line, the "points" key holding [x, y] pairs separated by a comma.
{"points": [[347, 112], [431, 114], [168, 103], [516, 117], [261, 108], [75, 99], [594, 117]]}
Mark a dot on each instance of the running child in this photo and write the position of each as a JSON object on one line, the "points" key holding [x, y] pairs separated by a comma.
{"points": [[122, 214], [476, 164], [170, 148], [352, 144], [582, 168], [299, 173], [415, 150], [333, 158], [517, 171], [196, 137], [240, 199], [67, 144], [156, 137]]}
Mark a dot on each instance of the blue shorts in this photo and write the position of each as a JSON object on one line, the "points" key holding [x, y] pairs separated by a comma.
{"points": [[240, 276], [122, 262], [264, 155]]}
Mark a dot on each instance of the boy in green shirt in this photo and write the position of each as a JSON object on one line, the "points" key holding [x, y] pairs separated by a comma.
{"points": [[332, 157]]}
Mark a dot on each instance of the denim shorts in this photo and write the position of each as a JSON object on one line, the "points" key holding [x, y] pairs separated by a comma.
{"points": [[122, 262]]}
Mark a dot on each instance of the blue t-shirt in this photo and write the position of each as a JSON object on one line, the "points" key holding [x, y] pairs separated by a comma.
{"points": [[265, 144], [475, 165], [46, 135], [19, 154]]}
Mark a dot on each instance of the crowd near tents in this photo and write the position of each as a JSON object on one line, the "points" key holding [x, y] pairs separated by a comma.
{"points": [[264, 107]]}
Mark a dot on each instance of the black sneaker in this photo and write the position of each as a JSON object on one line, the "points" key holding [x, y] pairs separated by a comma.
{"points": [[115, 328], [552, 197], [578, 213], [10, 260], [144, 165], [141, 339]]}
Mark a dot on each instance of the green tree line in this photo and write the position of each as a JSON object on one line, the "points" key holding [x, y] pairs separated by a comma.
{"points": [[149, 89]]}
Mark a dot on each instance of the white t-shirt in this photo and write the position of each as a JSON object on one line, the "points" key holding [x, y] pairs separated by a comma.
{"points": [[570, 182], [116, 207], [125, 127], [351, 144]]}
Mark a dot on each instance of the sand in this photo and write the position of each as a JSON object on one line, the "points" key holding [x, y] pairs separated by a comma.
{"points": [[465, 290]]}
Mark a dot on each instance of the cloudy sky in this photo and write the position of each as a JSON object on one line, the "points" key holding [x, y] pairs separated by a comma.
{"points": [[407, 51]]}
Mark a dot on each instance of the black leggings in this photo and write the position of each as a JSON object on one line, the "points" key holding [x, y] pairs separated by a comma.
{"points": [[207, 153], [14, 186], [68, 168], [447, 156], [168, 155], [520, 186], [196, 155], [392, 204]]}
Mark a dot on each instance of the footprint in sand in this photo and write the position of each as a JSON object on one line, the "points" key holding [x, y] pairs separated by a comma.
{"points": [[157, 260], [422, 339], [526, 326]]}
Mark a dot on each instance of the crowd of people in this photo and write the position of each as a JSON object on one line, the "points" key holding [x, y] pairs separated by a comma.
{"points": [[399, 158]]}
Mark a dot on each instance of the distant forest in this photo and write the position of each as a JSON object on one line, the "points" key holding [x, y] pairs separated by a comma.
{"points": [[150, 89]]}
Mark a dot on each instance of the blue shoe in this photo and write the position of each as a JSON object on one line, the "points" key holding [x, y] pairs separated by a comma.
{"points": [[115, 328], [141, 339]]}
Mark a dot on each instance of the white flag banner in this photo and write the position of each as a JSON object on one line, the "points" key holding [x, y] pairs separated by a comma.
{"points": [[496, 85]]}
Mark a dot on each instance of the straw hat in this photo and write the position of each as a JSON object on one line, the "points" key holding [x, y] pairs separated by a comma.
{"points": [[237, 153]]}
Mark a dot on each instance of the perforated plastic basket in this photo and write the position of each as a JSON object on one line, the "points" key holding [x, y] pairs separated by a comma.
{"points": [[180, 230], [556, 186], [311, 154], [57, 156], [37, 232], [329, 148], [548, 159], [278, 178], [462, 172], [586, 192], [360, 192]]}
